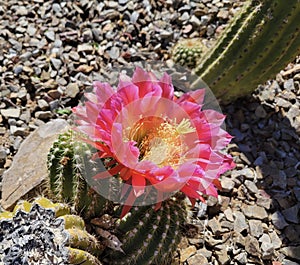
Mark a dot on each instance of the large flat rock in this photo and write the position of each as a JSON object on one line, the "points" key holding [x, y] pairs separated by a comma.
{"points": [[29, 167]]}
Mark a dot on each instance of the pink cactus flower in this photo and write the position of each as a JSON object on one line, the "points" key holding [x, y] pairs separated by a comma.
{"points": [[153, 138]]}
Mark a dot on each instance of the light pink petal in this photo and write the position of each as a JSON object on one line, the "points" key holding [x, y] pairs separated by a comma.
{"points": [[103, 92], [196, 96], [127, 92], [167, 87], [125, 152]]}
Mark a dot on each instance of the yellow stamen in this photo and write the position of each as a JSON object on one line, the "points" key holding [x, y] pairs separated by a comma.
{"points": [[161, 142]]}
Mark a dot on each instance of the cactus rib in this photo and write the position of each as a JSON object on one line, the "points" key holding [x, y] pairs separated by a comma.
{"points": [[259, 42]]}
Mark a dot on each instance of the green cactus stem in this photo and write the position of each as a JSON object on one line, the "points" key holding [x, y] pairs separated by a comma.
{"points": [[144, 236], [66, 161], [46, 232], [260, 41], [150, 236], [188, 51]]}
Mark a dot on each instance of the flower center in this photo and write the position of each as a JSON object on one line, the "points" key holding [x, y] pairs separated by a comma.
{"points": [[160, 141]]}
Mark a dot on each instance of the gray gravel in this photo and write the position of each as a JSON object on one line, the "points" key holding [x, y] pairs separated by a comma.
{"points": [[51, 51]]}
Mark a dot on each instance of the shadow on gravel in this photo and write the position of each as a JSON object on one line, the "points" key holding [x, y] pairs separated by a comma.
{"points": [[267, 144]]}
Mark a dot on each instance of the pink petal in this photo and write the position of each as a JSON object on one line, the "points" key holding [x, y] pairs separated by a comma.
{"points": [[138, 183], [103, 92], [196, 96], [167, 87]]}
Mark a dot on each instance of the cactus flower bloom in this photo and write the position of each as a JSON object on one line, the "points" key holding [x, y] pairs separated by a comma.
{"points": [[152, 138]]}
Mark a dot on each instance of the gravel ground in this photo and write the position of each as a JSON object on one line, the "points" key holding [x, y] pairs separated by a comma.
{"points": [[50, 51]]}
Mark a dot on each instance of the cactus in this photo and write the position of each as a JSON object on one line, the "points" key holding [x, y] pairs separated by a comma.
{"points": [[43, 232], [66, 161], [150, 236], [188, 51], [147, 235], [261, 39]]}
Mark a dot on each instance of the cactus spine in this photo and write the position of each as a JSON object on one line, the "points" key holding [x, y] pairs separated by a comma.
{"points": [[259, 42], [146, 235], [66, 160], [47, 232], [150, 236], [187, 52]]}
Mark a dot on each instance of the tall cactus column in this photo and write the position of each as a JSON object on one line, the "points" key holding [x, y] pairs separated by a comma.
{"points": [[261, 40]]}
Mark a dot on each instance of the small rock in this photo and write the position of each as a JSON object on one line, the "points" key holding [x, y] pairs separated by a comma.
{"points": [[240, 223], [276, 242], [250, 185], [252, 246], [292, 252], [291, 214], [280, 180], [260, 112], [17, 142], [43, 115], [215, 226], [18, 69], [74, 55], [43, 104], [72, 90], [229, 215], [278, 220], [56, 63], [241, 258], [203, 251], [185, 16], [289, 85], [283, 103], [3, 153], [265, 239], [256, 228], [85, 48], [293, 112], [187, 252], [114, 53], [50, 35], [254, 211], [21, 11], [134, 17], [227, 184], [197, 259], [223, 14], [288, 262], [164, 34], [195, 21], [19, 131], [87, 35], [55, 94], [11, 113], [267, 250], [222, 256]]}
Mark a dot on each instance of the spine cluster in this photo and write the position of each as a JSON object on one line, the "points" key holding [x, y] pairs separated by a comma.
{"points": [[43, 232]]}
